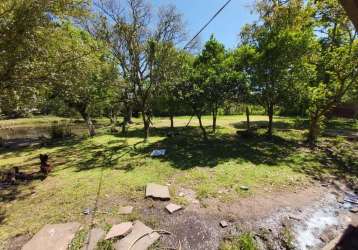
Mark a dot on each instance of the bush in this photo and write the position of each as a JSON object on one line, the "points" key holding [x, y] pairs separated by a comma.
{"points": [[60, 130]]}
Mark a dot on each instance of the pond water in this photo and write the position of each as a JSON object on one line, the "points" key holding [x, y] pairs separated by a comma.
{"points": [[34, 132]]}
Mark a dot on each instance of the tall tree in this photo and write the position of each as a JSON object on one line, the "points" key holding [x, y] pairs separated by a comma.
{"points": [[335, 63], [211, 69], [281, 39], [139, 42], [25, 26], [85, 77]]}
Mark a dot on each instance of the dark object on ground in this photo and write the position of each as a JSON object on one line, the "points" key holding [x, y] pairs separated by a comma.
{"points": [[246, 133], [45, 168], [172, 134], [349, 240]]}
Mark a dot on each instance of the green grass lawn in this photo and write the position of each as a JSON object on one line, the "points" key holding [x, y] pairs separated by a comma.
{"points": [[213, 169]]}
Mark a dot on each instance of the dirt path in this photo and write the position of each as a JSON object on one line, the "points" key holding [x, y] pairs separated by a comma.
{"points": [[197, 227]]}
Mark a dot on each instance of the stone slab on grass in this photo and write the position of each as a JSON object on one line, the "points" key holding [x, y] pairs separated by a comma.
{"points": [[54, 237], [173, 208], [94, 236], [119, 230], [141, 238], [125, 210], [157, 191]]}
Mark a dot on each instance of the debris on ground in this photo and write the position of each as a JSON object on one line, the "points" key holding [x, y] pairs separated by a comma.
{"points": [[119, 230], [351, 198], [158, 152], [141, 237], [125, 210], [157, 191], [54, 237], [181, 194], [224, 224], [87, 211], [173, 208], [94, 236], [245, 188]]}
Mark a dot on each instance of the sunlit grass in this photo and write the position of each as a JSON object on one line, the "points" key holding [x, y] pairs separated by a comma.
{"points": [[216, 168]]}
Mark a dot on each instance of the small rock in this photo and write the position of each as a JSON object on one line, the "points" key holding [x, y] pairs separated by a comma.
{"points": [[354, 210], [340, 200], [119, 230], [181, 194], [244, 188], [223, 224], [173, 208], [292, 217], [125, 210]]}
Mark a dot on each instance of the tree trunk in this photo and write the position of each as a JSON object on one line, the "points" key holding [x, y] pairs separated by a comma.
{"points": [[146, 122], [202, 127], [215, 113], [171, 121], [130, 114], [90, 126], [124, 126], [314, 129], [247, 118], [270, 115]]}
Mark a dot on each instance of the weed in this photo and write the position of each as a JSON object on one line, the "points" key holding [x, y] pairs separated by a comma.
{"points": [[79, 240], [244, 241]]}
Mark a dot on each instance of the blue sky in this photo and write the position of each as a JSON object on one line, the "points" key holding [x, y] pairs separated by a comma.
{"points": [[225, 27]]}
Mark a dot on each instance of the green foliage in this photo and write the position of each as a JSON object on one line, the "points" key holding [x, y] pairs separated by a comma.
{"points": [[275, 50], [26, 27], [105, 245], [334, 63], [244, 241], [80, 239]]}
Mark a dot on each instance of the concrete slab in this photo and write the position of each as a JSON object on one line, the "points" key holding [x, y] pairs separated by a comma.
{"points": [[94, 236], [141, 238], [120, 230], [157, 191], [54, 237], [125, 210], [173, 208]]}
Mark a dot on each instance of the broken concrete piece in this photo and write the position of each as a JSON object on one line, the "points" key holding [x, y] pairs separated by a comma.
{"points": [[158, 152], [120, 230], [224, 223], [157, 191], [125, 210], [54, 237], [141, 237], [94, 236], [244, 188], [173, 208]]}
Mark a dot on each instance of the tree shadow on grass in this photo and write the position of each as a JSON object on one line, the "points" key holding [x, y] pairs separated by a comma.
{"points": [[189, 150]]}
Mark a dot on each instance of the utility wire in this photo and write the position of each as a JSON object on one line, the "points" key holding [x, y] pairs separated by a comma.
{"points": [[206, 25]]}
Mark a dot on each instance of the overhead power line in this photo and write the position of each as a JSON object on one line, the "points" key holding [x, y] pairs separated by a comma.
{"points": [[206, 25]]}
